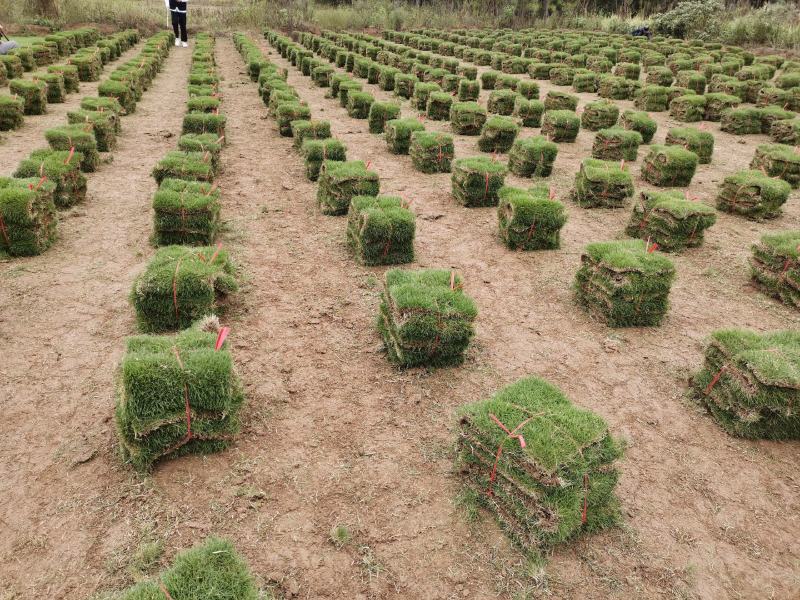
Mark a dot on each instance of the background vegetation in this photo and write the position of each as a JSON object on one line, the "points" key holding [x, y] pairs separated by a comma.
{"points": [[755, 22]]}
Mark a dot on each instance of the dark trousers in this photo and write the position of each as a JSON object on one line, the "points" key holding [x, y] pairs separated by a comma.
{"points": [[179, 25]]}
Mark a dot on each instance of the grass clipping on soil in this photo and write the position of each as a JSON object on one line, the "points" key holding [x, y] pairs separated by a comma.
{"points": [[750, 383], [556, 485], [670, 220], [624, 284], [425, 318]]}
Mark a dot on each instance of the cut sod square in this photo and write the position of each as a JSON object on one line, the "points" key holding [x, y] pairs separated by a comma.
{"points": [[13, 66], [191, 166], [316, 152], [438, 108], [695, 140], [421, 92], [772, 114], [380, 230], [501, 102], [741, 121], [669, 166], [121, 92], [206, 104], [340, 181], [585, 81], [27, 215], [654, 98], [431, 151], [623, 284], [303, 130], [181, 285], [79, 137], [753, 194], [718, 103], [178, 395], [98, 104], [468, 90], [195, 122], [33, 94], [476, 181], [185, 212], [530, 219], [380, 113], [688, 109], [60, 167], [670, 220], [775, 266], [404, 85], [560, 101], [600, 114], [692, 80], [104, 126], [467, 118], [12, 111], [532, 156], [398, 134], [56, 91], [786, 131], [560, 125], [498, 134], [204, 143], [778, 160], [616, 144], [529, 112], [641, 122], [358, 104], [617, 88], [425, 318], [602, 184]]}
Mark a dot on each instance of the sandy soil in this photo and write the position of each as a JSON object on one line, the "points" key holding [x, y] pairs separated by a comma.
{"points": [[334, 434]]}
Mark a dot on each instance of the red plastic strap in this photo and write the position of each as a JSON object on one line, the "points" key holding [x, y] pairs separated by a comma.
{"points": [[216, 252], [164, 590], [223, 334], [4, 231], [512, 434], [652, 248], [71, 154], [369, 162], [486, 190], [713, 381], [551, 194], [585, 498]]}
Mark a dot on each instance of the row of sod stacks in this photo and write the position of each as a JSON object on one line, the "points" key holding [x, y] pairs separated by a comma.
{"points": [[749, 383], [380, 230], [179, 394], [27, 215], [753, 194], [670, 220], [775, 266], [212, 570], [602, 184], [552, 478], [624, 283], [425, 318], [530, 219]]}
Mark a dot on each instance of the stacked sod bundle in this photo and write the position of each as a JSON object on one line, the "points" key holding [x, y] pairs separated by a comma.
{"points": [[303, 130], [532, 157], [753, 194], [689, 108], [560, 125], [670, 220], [775, 266], [778, 160], [669, 166], [77, 137], [694, 140], [477, 180], [431, 152], [467, 118], [786, 131], [204, 143], [12, 110], [317, 152], [181, 285], [32, 93], [340, 181], [616, 143], [749, 383], [211, 571], [501, 102], [27, 215], [178, 395], [717, 104], [529, 112], [624, 284], [741, 121], [104, 126], [601, 114], [555, 485], [555, 100], [60, 167], [530, 219], [654, 98], [639, 121], [602, 184], [425, 318], [398, 134], [498, 134], [192, 166], [185, 212], [380, 113], [380, 230]]}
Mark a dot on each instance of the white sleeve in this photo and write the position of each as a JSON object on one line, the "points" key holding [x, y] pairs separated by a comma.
{"points": [[166, 3]]}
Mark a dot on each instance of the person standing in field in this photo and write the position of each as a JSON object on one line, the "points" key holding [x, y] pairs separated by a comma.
{"points": [[177, 10], [8, 46]]}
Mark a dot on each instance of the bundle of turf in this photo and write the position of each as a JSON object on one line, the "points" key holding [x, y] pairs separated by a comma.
{"points": [[120, 92], [600, 114], [716, 104], [467, 118], [69, 74], [692, 80], [12, 110], [207, 104], [398, 134], [195, 122], [786, 131], [32, 93], [741, 121], [670, 220], [560, 125], [185, 212], [61, 168], [438, 108], [468, 91], [13, 66], [529, 112], [303, 130], [380, 230], [431, 151], [501, 102], [77, 137], [178, 395], [404, 85], [669, 166], [191, 166], [530, 219], [653, 98], [753, 194], [773, 114], [585, 81], [498, 134], [630, 71], [181, 285], [641, 122], [205, 143], [97, 104], [380, 113], [425, 318], [317, 152], [56, 91], [358, 104], [560, 101], [489, 79], [340, 181], [477, 180], [421, 92], [749, 383], [27, 215], [689, 108], [694, 140], [533, 156], [211, 571], [616, 143], [775, 266], [778, 160], [104, 126], [624, 284], [617, 88], [557, 483], [602, 184]]}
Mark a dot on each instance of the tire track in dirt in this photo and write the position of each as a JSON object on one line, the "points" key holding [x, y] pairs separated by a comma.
{"points": [[63, 318]]}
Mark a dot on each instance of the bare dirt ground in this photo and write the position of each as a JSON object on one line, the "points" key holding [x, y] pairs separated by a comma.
{"points": [[334, 433]]}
